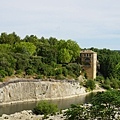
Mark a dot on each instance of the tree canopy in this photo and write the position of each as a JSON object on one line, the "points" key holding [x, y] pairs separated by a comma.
{"points": [[40, 57]]}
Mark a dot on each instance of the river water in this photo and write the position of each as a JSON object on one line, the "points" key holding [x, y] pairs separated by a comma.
{"points": [[62, 104]]}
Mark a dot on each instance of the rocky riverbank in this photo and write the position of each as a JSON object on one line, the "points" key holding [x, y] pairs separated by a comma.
{"points": [[22, 90], [28, 115]]}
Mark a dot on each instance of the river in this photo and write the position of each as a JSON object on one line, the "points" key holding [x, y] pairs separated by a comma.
{"points": [[62, 104]]}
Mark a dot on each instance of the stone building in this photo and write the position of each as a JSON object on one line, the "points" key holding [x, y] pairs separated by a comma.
{"points": [[88, 60]]}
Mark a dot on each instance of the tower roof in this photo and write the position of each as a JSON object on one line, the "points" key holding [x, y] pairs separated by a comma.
{"points": [[88, 51]]}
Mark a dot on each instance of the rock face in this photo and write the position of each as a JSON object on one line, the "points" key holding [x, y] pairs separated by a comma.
{"points": [[32, 90]]}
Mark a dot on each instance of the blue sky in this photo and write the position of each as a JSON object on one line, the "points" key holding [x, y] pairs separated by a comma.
{"points": [[91, 23]]}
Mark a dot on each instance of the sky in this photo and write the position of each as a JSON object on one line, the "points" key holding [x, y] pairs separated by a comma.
{"points": [[91, 23]]}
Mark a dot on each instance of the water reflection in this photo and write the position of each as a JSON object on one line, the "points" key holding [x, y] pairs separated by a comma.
{"points": [[62, 104]]}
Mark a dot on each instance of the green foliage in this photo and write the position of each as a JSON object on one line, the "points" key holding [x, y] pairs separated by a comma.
{"points": [[6, 48], [74, 49], [75, 112], [44, 107], [64, 56], [68, 49], [18, 72], [90, 84], [9, 38], [100, 79], [109, 62], [22, 61], [107, 87], [29, 71], [104, 106], [25, 48], [38, 56], [3, 73], [111, 83]]}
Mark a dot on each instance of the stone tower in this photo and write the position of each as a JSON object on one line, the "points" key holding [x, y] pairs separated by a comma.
{"points": [[89, 63]]}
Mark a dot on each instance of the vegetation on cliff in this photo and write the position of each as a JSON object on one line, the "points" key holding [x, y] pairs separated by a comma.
{"points": [[38, 57], [58, 59]]}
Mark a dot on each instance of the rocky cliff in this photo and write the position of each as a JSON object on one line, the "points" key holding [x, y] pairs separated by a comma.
{"points": [[32, 90]]}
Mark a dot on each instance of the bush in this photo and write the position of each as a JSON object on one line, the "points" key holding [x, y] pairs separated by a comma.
{"points": [[3, 73], [18, 72], [44, 107], [108, 87], [100, 79], [75, 112], [90, 84], [10, 71], [29, 72]]}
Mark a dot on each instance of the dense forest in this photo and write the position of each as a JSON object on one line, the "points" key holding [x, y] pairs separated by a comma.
{"points": [[53, 58], [38, 57]]}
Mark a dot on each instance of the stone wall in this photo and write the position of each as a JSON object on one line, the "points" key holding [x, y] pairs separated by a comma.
{"points": [[33, 90]]}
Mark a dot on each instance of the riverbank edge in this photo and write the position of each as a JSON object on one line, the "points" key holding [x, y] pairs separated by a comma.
{"points": [[58, 98], [28, 114], [16, 80]]}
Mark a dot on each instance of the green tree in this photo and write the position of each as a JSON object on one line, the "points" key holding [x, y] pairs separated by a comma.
{"points": [[105, 104], [76, 112], [25, 48], [73, 48], [22, 61], [6, 48], [64, 56], [11, 38], [3, 38]]}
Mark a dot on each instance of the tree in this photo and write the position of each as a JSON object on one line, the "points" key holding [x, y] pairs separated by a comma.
{"points": [[76, 112], [73, 48], [22, 61], [32, 39], [11, 38], [108, 59], [3, 38], [25, 48], [6, 48], [105, 104], [64, 56]]}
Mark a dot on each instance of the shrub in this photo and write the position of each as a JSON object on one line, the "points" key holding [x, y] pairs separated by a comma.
{"points": [[3, 73], [90, 84], [108, 87], [18, 71], [100, 79], [10, 71], [44, 107], [29, 72]]}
